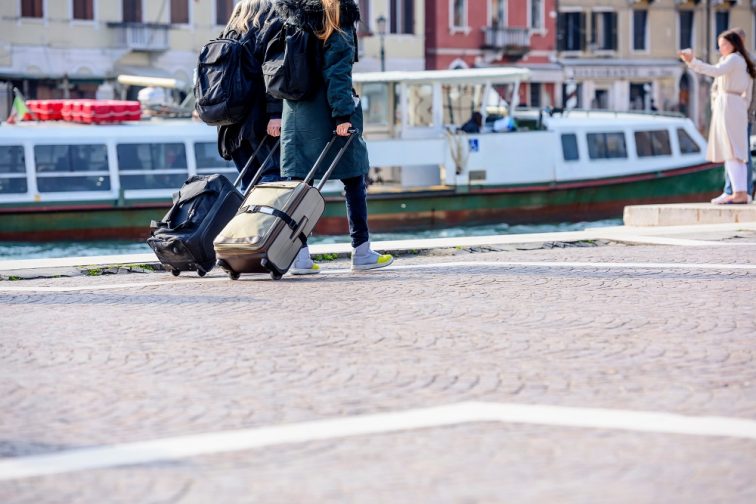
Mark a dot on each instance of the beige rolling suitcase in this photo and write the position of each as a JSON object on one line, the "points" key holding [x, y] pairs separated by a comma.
{"points": [[274, 222]]}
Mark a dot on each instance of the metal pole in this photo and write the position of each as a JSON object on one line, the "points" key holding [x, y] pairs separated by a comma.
{"points": [[383, 53], [708, 31]]}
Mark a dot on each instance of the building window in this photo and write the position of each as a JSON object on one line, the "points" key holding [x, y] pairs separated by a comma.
{"points": [[32, 9], [459, 14], [83, 10], [652, 143], [604, 31], [640, 96], [132, 11], [223, 9], [606, 145], [640, 17], [571, 31], [179, 11], [570, 147], [535, 95], [536, 14], [402, 16], [572, 95], [722, 21], [364, 27], [686, 29], [499, 13]]}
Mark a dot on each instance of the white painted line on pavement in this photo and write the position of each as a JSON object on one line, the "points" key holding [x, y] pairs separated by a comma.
{"points": [[146, 452], [442, 265]]}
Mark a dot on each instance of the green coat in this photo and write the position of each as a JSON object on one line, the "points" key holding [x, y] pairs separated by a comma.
{"points": [[308, 125]]}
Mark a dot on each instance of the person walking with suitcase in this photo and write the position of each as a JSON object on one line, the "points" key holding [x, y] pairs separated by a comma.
{"points": [[308, 124], [238, 141]]}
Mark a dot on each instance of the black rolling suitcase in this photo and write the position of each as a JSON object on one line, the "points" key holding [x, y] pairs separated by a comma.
{"points": [[183, 240], [274, 222]]}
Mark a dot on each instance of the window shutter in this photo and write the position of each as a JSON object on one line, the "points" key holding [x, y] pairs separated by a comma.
{"points": [[583, 34]]}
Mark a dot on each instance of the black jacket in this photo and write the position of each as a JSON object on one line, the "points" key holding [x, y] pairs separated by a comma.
{"points": [[264, 107]]}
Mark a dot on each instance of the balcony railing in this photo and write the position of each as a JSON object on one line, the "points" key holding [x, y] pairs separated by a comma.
{"points": [[512, 41], [147, 37]]}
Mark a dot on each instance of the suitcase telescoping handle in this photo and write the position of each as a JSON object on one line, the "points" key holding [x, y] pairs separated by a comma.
{"points": [[252, 159], [353, 133]]}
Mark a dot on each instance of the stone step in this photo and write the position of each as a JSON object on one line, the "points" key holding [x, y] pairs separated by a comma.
{"points": [[686, 214]]}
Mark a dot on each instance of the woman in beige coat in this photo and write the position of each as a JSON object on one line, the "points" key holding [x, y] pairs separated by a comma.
{"points": [[727, 143]]}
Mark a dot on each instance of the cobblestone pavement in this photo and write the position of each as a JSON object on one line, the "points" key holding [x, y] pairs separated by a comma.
{"points": [[157, 356]]}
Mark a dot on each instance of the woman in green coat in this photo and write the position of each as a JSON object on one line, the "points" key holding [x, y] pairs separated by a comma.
{"points": [[308, 124]]}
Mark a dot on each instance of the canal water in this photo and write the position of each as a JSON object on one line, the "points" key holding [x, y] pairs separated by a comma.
{"points": [[33, 250]]}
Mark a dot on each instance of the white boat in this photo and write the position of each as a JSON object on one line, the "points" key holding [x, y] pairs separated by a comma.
{"points": [[62, 181]]}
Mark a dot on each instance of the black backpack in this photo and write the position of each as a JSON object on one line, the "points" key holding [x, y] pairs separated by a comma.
{"points": [[292, 64], [225, 84]]}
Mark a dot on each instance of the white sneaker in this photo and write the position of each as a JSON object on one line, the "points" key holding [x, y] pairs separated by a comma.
{"points": [[303, 264], [364, 258], [721, 199]]}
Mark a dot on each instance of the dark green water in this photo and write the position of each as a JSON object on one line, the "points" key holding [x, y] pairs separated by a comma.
{"points": [[30, 250]]}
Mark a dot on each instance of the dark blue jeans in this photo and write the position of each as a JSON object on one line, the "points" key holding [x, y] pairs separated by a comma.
{"points": [[749, 167], [357, 212], [356, 207], [272, 172]]}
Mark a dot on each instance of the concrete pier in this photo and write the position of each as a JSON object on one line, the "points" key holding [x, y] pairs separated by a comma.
{"points": [[609, 365], [685, 214]]}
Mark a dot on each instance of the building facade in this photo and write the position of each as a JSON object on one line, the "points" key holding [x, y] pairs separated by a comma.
{"points": [[483, 33], [622, 54], [67, 48], [397, 27]]}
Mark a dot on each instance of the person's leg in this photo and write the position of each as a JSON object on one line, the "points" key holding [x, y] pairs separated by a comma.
{"points": [[240, 157], [363, 257], [303, 264], [356, 207], [739, 177], [272, 172]]}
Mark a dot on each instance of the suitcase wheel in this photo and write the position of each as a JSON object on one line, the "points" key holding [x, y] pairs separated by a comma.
{"points": [[201, 273], [276, 276], [233, 275], [175, 272]]}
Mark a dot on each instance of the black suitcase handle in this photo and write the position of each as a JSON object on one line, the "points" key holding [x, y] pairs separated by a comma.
{"points": [[247, 166], [353, 133]]}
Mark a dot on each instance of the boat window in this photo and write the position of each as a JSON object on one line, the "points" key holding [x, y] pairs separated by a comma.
{"points": [[375, 104], [152, 165], [652, 143], [63, 168], [12, 170], [687, 144], [606, 145], [209, 161], [570, 147]]}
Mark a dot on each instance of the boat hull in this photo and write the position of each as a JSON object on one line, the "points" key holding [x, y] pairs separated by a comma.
{"points": [[404, 211]]}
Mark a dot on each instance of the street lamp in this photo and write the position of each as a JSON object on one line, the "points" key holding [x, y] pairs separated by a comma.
{"points": [[381, 25]]}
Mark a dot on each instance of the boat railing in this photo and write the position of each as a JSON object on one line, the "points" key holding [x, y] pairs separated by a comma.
{"points": [[616, 113]]}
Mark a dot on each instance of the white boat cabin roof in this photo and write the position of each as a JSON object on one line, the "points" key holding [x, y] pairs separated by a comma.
{"points": [[461, 76], [58, 130]]}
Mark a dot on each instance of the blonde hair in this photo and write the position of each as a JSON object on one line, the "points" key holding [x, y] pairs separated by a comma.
{"points": [[331, 19], [246, 14]]}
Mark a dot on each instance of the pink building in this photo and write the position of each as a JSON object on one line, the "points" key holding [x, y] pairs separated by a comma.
{"points": [[484, 33]]}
